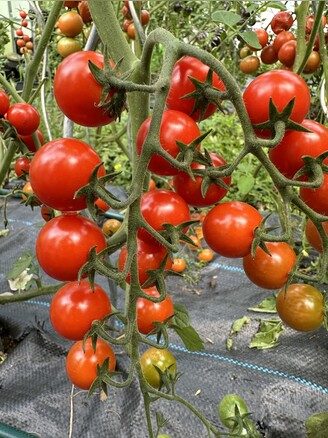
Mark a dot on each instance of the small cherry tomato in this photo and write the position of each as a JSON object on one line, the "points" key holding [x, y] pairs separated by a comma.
{"points": [[110, 226], [70, 24], [287, 53], [250, 64], [313, 62], [23, 14], [206, 255], [47, 213], [101, 206], [281, 21], [282, 38], [269, 55], [4, 103], [24, 117], [313, 235], [66, 46], [227, 409], [179, 264], [162, 359], [22, 166]]}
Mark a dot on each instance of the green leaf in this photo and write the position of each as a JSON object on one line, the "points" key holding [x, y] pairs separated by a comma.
{"points": [[268, 305], [316, 426], [251, 39], [188, 335], [245, 184], [267, 335], [236, 328], [226, 17], [277, 5], [20, 265], [181, 316]]}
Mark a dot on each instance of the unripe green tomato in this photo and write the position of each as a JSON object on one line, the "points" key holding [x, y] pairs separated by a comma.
{"points": [[162, 359], [226, 409]]}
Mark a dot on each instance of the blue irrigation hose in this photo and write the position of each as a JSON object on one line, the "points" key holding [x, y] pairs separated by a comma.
{"points": [[12, 432]]}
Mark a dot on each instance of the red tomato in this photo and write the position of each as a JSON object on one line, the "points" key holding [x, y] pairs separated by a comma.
{"points": [[70, 24], [59, 169], [47, 213], [310, 22], [287, 155], [317, 199], [4, 103], [283, 20], [262, 36], [29, 142], [75, 306], [313, 235], [63, 245], [162, 359], [81, 365], [159, 207], [101, 205], [149, 312], [144, 17], [175, 126], [149, 257], [79, 100], [229, 228], [27, 189], [269, 55], [181, 85], [281, 39], [270, 271], [71, 4], [191, 190], [24, 117], [22, 14], [287, 53], [301, 307], [131, 30], [22, 166], [84, 11], [281, 86]]}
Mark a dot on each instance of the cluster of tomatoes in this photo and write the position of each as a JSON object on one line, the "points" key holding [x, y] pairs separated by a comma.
{"points": [[282, 46], [128, 25], [23, 40], [70, 25]]}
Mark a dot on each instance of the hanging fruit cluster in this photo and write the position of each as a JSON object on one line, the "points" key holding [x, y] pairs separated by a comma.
{"points": [[128, 22], [23, 41]]}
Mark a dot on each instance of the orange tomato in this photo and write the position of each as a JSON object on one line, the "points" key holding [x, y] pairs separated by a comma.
{"points": [[179, 265]]}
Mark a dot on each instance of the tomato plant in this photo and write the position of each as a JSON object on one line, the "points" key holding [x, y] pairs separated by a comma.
{"points": [[175, 126], [81, 363], [4, 103], [229, 228], [301, 307], [191, 190], [75, 306], [313, 235], [149, 257], [149, 312], [281, 86], [59, 169], [162, 359], [159, 207], [24, 117], [181, 85], [70, 24], [270, 271], [79, 102], [287, 155], [63, 245]]}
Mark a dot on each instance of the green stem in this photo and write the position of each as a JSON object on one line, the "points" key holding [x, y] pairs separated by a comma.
{"points": [[27, 295], [10, 89], [7, 159], [33, 66]]}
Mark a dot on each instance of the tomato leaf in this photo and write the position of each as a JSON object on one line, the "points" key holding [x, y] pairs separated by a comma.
{"points": [[188, 335], [20, 265], [251, 39], [268, 305], [226, 17], [236, 328], [245, 184], [316, 426], [267, 335]]}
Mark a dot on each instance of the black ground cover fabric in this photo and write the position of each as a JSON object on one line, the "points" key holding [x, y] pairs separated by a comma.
{"points": [[281, 386]]}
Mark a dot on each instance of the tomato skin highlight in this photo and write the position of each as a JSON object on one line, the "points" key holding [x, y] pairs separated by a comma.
{"points": [[81, 366], [67, 164], [182, 85], [175, 125], [228, 228], [163, 359], [270, 271], [149, 312], [301, 307], [79, 100], [75, 306], [63, 245]]}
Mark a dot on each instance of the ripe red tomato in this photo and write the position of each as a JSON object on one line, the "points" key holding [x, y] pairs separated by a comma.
{"points": [[270, 271], [101, 206], [71, 4], [79, 100], [229, 228], [149, 312], [159, 207], [149, 257], [317, 199], [301, 307], [63, 245], [191, 190], [47, 213], [75, 305], [59, 169], [81, 365], [4, 103], [144, 17], [29, 141], [313, 235], [287, 53], [84, 11], [283, 20], [281, 86], [175, 126], [287, 155], [250, 64], [281, 39], [155, 357], [131, 31], [70, 24], [181, 85], [24, 117], [269, 55], [310, 21], [22, 166]]}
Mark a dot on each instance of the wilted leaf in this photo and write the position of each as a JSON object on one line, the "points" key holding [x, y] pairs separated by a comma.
{"points": [[267, 335]]}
